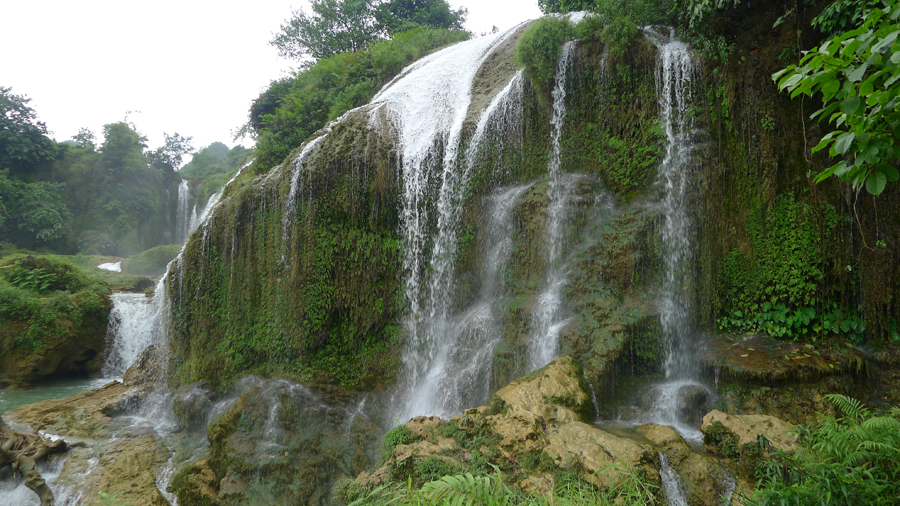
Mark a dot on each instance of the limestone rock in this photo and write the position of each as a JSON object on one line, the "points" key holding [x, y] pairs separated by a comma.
{"points": [[556, 392], [748, 429], [705, 479], [596, 450], [538, 484]]}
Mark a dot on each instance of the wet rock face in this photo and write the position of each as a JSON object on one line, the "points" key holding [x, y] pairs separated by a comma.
{"points": [[277, 441], [192, 404], [692, 403]]}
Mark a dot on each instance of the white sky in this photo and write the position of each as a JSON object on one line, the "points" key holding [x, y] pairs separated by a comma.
{"points": [[188, 66]]}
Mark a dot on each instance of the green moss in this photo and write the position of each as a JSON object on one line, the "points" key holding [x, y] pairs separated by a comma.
{"points": [[539, 48]]}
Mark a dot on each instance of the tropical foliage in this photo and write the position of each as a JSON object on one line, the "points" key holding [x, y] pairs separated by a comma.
{"points": [[848, 460], [856, 74]]}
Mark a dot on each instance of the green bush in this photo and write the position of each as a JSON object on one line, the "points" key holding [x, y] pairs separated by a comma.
{"points": [[44, 275], [539, 49], [152, 262], [848, 460], [291, 109]]}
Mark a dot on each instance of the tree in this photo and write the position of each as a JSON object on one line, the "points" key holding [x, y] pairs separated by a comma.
{"points": [[122, 149], [335, 26], [857, 74], [171, 153], [23, 139], [85, 138], [396, 16], [340, 26]]}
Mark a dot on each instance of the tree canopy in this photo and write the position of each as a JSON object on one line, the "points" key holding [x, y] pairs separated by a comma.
{"points": [[340, 26]]}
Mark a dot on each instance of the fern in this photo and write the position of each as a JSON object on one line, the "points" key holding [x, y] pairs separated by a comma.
{"points": [[467, 490]]}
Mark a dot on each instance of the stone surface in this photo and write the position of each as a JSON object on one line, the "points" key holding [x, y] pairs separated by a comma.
{"points": [[748, 429], [598, 451]]}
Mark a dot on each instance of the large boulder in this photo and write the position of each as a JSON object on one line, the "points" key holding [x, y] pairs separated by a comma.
{"points": [[704, 479], [749, 429]]}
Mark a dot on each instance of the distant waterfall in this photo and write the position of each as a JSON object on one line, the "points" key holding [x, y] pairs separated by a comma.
{"points": [[185, 213], [546, 322]]}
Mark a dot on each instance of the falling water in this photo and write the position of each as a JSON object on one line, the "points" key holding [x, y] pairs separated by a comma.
{"points": [[133, 326], [185, 214], [673, 83], [671, 483], [546, 322], [434, 181]]}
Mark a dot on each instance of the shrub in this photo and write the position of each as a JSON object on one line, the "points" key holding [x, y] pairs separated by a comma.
{"points": [[849, 460], [539, 48], [152, 262], [44, 275]]}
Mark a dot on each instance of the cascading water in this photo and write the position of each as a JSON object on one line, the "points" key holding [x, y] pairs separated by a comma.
{"points": [[546, 322], [440, 84], [133, 326], [671, 483], [673, 83], [185, 213]]}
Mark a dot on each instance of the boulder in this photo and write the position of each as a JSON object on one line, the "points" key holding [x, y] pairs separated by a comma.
{"points": [[601, 454], [704, 479], [749, 429]]}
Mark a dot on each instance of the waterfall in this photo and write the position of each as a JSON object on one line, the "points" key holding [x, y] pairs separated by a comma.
{"points": [[674, 73], [425, 109], [133, 326], [546, 322], [671, 483], [184, 213]]}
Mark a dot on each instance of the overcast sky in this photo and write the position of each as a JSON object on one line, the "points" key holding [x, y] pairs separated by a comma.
{"points": [[187, 66]]}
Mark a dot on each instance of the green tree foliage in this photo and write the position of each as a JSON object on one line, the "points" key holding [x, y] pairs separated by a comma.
{"points": [[85, 139], [848, 460], [341, 26], [23, 139], [291, 109], [170, 154], [856, 74]]}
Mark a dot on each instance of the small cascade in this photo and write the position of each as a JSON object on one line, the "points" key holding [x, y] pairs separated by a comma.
{"points": [[546, 322], [111, 266], [671, 483], [673, 83], [133, 326]]}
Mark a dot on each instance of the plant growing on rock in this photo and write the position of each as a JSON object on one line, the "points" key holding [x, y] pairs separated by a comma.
{"points": [[848, 460]]}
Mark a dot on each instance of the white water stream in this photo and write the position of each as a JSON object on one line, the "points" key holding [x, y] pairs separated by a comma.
{"points": [[675, 71], [546, 321]]}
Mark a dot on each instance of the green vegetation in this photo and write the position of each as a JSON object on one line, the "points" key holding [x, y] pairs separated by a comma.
{"points": [[539, 48], [291, 109], [215, 165], [856, 73], [346, 26], [848, 460], [69, 198], [153, 261], [490, 488], [777, 287], [50, 297]]}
